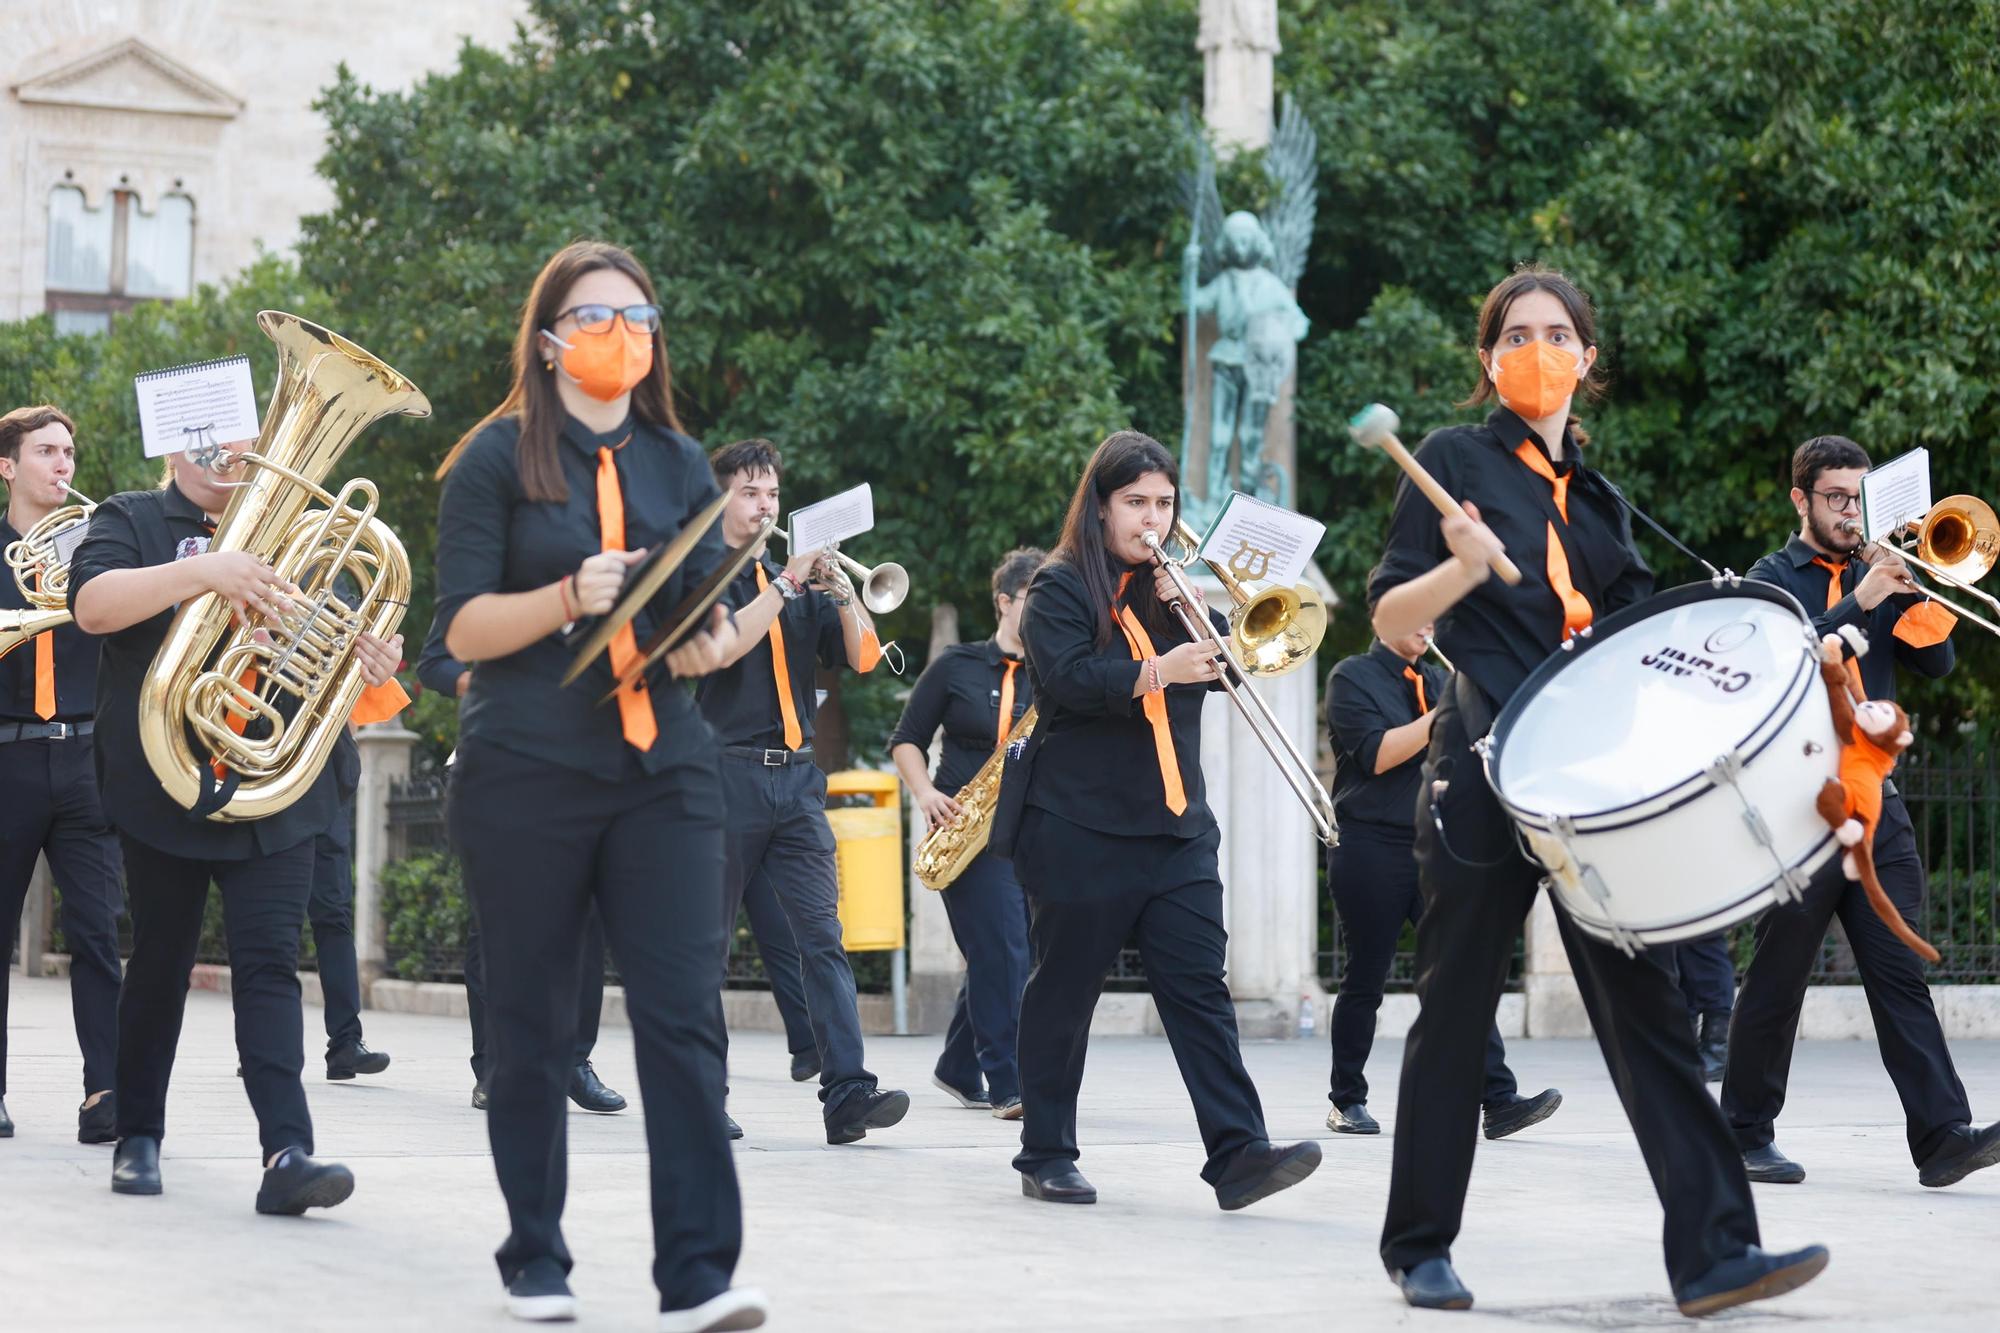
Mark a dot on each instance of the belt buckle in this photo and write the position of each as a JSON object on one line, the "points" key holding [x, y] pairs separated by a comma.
{"points": [[60, 731], [777, 758]]}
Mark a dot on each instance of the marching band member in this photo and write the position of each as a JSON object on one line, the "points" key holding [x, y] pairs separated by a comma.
{"points": [[559, 805], [762, 707], [1527, 490], [48, 783], [1708, 983], [976, 692], [1819, 566], [147, 552], [1115, 837], [1380, 707]]}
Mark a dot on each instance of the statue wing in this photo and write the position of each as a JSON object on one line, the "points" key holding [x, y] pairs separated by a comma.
{"points": [[1198, 190], [1293, 166]]}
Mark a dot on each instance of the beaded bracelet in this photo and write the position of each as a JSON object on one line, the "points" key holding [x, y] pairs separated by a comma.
{"points": [[1153, 674]]}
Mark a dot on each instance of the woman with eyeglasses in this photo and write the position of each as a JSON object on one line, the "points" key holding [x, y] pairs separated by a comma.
{"points": [[559, 804]]}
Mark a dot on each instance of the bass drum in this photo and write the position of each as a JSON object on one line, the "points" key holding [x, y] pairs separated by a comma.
{"points": [[1663, 767]]}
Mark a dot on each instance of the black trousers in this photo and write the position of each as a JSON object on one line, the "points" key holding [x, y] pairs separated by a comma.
{"points": [[263, 910], [1899, 999], [989, 920], [1477, 887], [540, 848], [1089, 892], [1707, 975], [780, 952], [776, 828], [330, 912], [589, 991], [1372, 876], [48, 802]]}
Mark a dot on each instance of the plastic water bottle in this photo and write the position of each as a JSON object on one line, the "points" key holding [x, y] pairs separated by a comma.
{"points": [[1306, 1016]]}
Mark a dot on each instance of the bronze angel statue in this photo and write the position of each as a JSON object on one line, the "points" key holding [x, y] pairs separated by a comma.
{"points": [[1243, 269]]}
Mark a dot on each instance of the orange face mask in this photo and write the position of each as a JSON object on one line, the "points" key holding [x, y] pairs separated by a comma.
{"points": [[607, 365], [1536, 379]]}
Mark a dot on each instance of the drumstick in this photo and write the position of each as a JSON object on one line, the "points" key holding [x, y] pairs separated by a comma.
{"points": [[1374, 427]]}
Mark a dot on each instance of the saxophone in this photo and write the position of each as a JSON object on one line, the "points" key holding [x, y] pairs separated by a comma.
{"points": [[296, 676], [949, 848], [40, 562]]}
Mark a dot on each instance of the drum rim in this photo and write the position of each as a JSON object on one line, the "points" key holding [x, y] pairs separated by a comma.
{"points": [[1678, 794], [1605, 924]]}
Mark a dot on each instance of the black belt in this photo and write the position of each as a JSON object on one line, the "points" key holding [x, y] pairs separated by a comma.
{"points": [[770, 758], [43, 731]]}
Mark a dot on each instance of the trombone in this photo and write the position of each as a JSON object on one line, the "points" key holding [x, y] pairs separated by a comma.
{"points": [[1265, 615], [1956, 544], [883, 588], [40, 565]]}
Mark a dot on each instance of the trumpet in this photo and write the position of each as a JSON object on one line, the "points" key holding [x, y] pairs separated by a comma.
{"points": [[883, 588], [1955, 544], [41, 571], [1254, 607]]}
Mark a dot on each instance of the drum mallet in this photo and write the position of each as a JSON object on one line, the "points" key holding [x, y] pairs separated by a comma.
{"points": [[1374, 427]]}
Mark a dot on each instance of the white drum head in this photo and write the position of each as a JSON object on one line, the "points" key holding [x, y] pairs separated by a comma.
{"points": [[1643, 712]]}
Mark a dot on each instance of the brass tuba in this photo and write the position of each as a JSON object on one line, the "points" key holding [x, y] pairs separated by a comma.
{"points": [[949, 848], [292, 682], [40, 564]]}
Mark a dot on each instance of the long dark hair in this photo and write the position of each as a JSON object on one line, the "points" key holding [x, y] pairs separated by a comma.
{"points": [[533, 398], [1123, 458], [1582, 318]]}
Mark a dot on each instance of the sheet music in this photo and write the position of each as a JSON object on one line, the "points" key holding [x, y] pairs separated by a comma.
{"points": [[1896, 493], [834, 519], [180, 404], [1255, 540], [66, 541]]}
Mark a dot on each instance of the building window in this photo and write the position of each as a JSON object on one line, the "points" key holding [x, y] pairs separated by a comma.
{"points": [[107, 259]]}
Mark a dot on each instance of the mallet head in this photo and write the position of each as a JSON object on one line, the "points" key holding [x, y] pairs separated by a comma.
{"points": [[1374, 425]]}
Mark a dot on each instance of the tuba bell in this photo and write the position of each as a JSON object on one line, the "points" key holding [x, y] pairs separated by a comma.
{"points": [[238, 720], [40, 564]]}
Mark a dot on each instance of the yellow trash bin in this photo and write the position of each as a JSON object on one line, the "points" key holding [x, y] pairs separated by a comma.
{"points": [[870, 857]]}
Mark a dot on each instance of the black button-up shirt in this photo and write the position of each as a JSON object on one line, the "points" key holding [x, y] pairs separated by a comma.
{"points": [[492, 538], [1366, 695], [1793, 570], [960, 691], [1097, 764], [742, 702], [137, 530], [437, 669], [75, 657], [1498, 634]]}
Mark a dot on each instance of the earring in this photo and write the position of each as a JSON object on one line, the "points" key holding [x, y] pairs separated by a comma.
{"points": [[548, 365]]}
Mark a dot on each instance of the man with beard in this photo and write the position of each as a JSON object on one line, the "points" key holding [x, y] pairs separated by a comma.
{"points": [[1823, 566]]}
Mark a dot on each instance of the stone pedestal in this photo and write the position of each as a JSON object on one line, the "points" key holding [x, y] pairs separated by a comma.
{"points": [[936, 966], [385, 760], [1555, 1005]]}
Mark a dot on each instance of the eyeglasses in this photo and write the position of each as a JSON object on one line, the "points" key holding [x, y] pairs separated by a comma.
{"points": [[597, 318], [1840, 501]]}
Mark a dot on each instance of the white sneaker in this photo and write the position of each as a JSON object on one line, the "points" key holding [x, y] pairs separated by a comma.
{"points": [[540, 1295], [737, 1308]]}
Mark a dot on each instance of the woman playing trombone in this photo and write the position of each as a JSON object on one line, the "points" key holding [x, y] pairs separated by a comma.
{"points": [[1116, 839]]}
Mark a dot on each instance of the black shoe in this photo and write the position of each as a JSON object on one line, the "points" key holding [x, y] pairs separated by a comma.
{"points": [[1515, 1116], [1352, 1119], [1263, 1169], [1768, 1166], [297, 1183], [805, 1065], [1713, 1046], [6, 1125], [861, 1112], [587, 1090], [539, 1294], [735, 1309], [99, 1123], [1754, 1275], [135, 1167], [479, 1095], [1966, 1151], [1058, 1182], [344, 1062], [975, 1100], [1432, 1285], [735, 1130]]}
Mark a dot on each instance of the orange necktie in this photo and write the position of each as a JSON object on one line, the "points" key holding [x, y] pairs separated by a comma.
{"points": [[1834, 592], [1577, 614], [781, 672], [1155, 705], [1006, 704], [45, 668], [1410, 674], [635, 705]]}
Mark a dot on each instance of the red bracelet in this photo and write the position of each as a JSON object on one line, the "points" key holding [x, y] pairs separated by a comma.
{"points": [[562, 592]]}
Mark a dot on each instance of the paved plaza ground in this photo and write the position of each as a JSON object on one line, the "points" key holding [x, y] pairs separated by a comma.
{"points": [[923, 1227]]}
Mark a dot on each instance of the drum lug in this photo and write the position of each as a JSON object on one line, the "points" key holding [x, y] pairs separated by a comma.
{"points": [[1483, 747], [1724, 772]]}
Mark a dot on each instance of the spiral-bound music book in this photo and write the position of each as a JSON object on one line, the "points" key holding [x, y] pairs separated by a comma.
{"points": [[181, 404]]}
